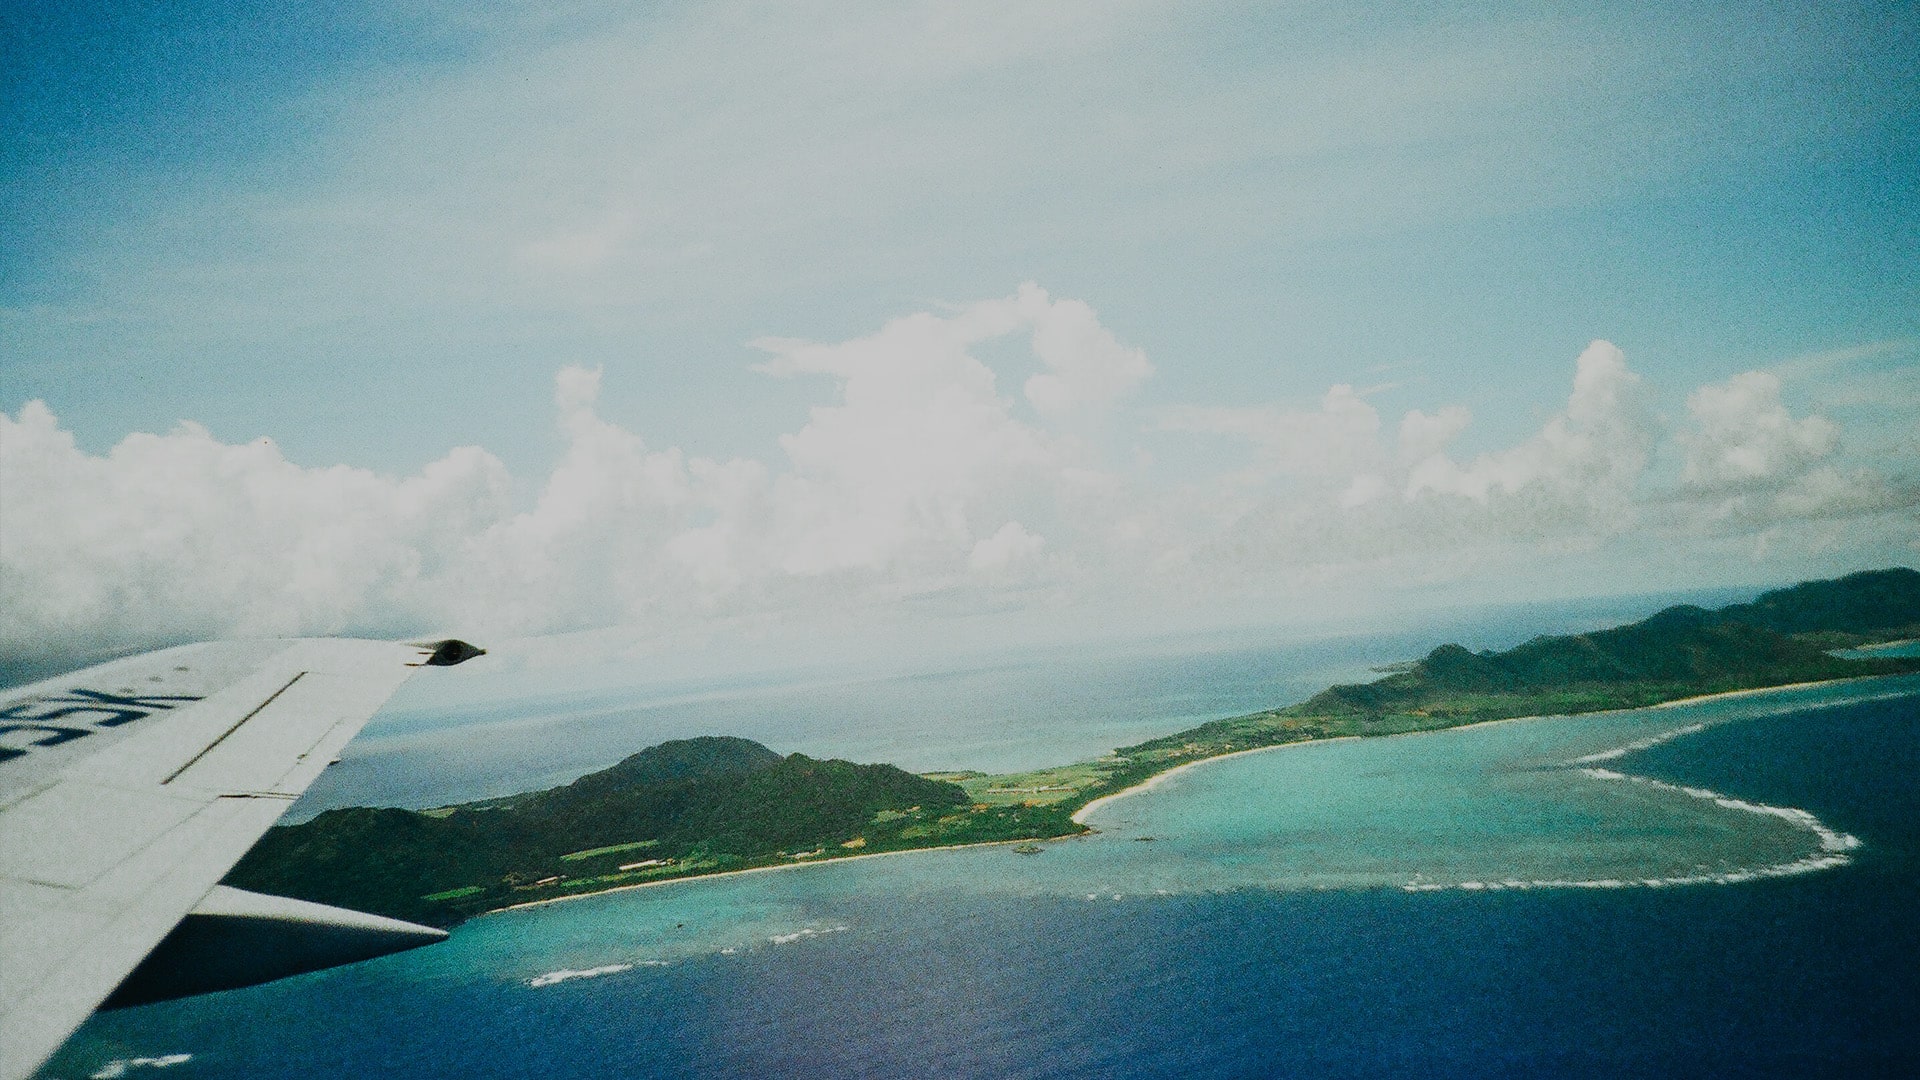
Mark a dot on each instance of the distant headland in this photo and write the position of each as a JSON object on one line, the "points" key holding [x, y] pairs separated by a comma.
{"points": [[694, 807]]}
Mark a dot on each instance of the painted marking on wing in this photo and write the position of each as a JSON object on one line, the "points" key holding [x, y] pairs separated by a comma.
{"points": [[34, 715]]}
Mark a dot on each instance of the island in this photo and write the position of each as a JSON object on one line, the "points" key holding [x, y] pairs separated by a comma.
{"points": [[717, 804]]}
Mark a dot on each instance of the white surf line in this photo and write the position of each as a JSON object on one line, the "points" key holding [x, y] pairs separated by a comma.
{"points": [[806, 932], [1080, 816], [570, 974], [1637, 745], [1777, 709], [1834, 844], [1831, 840], [119, 1067]]}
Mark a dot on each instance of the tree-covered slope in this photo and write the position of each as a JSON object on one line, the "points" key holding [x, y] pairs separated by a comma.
{"points": [[686, 806], [1870, 605], [1781, 637], [696, 806], [1685, 648]]}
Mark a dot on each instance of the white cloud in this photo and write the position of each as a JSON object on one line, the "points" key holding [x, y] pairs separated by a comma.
{"points": [[1750, 464], [1335, 441], [1590, 455], [1423, 436], [1086, 365], [1745, 435], [921, 443], [1365, 488], [1327, 494], [1578, 475], [588, 550], [179, 535], [1010, 546], [915, 477]]}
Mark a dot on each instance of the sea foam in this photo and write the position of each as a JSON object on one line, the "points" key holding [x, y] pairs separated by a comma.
{"points": [[119, 1067], [799, 935], [569, 974], [1833, 843], [1831, 840], [1637, 745]]}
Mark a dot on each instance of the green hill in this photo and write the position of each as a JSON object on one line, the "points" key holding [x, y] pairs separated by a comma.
{"points": [[699, 806], [1682, 650], [1781, 637], [1872, 605], [682, 807]]}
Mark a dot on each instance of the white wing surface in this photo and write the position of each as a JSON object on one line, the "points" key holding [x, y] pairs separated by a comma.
{"points": [[128, 790]]}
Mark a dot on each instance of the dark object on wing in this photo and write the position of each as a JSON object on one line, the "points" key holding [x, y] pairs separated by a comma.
{"points": [[127, 791], [450, 652]]}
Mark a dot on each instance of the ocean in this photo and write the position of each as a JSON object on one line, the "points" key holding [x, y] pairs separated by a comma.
{"points": [[1720, 889], [1003, 713]]}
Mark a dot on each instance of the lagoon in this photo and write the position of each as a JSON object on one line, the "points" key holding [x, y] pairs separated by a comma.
{"points": [[1280, 914]]}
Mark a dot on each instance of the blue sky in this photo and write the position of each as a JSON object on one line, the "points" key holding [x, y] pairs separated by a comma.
{"points": [[373, 235]]}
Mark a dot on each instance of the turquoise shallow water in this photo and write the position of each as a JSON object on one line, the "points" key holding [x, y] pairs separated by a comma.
{"points": [[1032, 709], [1280, 889], [1502, 805], [1533, 802]]}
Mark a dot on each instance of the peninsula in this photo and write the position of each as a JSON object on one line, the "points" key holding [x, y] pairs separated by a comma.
{"points": [[715, 804]]}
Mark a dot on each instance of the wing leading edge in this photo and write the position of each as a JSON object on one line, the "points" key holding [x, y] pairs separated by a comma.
{"points": [[128, 790]]}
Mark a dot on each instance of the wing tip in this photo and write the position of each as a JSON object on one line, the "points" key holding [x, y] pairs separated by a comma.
{"points": [[448, 652]]}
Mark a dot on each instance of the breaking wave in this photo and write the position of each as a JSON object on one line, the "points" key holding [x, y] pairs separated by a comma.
{"points": [[798, 935], [1638, 745], [1834, 844], [119, 1067], [569, 974], [1831, 840]]}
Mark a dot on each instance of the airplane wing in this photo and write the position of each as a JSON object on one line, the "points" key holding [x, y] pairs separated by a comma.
{"points": [[129, 789]]}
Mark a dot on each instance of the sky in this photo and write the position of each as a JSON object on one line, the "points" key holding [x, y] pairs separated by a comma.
{"points": [[829, 330]]}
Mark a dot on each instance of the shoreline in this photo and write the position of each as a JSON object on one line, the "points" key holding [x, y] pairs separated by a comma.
{"points": [[1695, 699], [772, 868], [1154, 780], [1883, 646]]}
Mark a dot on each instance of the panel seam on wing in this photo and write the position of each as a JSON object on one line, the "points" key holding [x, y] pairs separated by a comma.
{"points": [[208, 749]]}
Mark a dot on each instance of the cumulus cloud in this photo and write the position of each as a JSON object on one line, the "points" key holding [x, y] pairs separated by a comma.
{"points": [[1328, 488], [1086, 365], [178, 535], [1749, 463], [1582, 467], [905, 481], [1589, 456], [1745, 436], [920, 434], [1009, 546], [1423, 436], [1336, 441], [915, 476]]}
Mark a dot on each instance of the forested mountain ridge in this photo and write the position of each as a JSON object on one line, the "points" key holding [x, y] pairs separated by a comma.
{"points": [[705, 805], [1685, 646], [1870, 605], [1781, 637], [683, 807]]}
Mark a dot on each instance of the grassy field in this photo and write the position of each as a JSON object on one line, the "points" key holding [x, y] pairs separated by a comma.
{"points": [[613, 849]]}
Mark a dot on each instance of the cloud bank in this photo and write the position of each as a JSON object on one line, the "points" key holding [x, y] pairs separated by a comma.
{"points": [[925, 475]]}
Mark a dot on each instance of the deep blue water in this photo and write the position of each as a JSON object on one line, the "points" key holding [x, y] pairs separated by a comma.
{"points": [[1813, 975]]}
